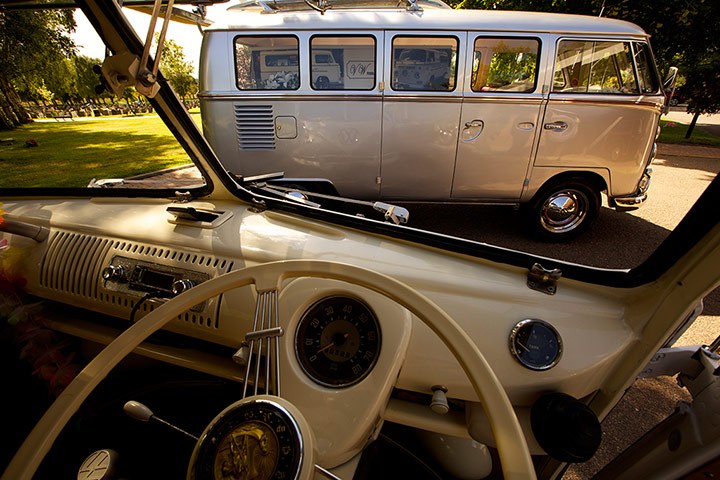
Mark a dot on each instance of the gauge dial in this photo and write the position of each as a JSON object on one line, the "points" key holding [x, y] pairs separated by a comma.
{"points": [[536, 344], [338, 341], [257, 436]]}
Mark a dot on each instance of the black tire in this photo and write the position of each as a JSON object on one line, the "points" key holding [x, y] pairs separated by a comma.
{"points": [[322, 83], [564, 209]]}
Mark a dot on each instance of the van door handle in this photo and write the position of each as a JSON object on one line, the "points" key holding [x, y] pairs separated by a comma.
{"points": [[475, 124], [557, 126]]}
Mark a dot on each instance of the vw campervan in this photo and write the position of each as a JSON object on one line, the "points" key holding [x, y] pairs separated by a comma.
{"points": [[437, 105]]}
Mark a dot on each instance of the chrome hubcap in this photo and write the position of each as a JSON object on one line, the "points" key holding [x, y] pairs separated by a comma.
{"points": [[564, 211]]}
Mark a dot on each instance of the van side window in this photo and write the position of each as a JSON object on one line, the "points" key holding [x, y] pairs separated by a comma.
{"points": [[342, 62], [505, 65], [424, 63], [594, 67], [267, 63], [647, 76]]}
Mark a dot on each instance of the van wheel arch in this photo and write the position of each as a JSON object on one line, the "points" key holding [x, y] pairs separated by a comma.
{"points": [[565, 206]]}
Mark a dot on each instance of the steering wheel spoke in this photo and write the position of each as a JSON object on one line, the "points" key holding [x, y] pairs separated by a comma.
{"points": [[264, 340]]}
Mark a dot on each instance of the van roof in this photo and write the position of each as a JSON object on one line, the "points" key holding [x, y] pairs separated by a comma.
{"points": [[427, 19]]}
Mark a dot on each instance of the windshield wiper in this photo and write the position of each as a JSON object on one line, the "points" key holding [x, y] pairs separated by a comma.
{"points": [[391, 213]]}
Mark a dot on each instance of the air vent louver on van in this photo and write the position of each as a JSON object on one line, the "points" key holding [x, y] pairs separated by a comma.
{"points": [[255, 127]]}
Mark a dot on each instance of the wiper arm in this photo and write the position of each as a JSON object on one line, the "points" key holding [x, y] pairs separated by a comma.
{"points": [[392, 213]]}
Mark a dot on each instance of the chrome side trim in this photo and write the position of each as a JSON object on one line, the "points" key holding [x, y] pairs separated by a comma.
{"points": [[289, 98], [424, 98], [311, 97], [504, 99], [601, 102]]}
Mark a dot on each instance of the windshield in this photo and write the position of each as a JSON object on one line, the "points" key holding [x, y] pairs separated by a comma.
{"points": [[286, 112]]}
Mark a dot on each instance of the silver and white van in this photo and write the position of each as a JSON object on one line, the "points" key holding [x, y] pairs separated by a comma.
{"points": [[430, 104]]}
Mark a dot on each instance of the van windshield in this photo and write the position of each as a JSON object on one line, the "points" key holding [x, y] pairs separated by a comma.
{"points": [[481, 136]]}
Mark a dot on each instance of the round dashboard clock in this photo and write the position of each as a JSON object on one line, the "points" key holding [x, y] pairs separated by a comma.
{"points": [[337, 341], [536, 344]]}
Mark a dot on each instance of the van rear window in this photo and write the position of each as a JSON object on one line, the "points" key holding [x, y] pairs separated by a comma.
{"points": [[267, 63], [594, 67], [505, 65]]}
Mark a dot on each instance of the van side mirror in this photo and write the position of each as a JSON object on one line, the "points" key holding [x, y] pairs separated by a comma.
{"points": [[669, 86], [670, 78]]}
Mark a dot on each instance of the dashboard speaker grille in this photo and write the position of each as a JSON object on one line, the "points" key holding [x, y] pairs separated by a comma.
{"points": [[74, 262]]}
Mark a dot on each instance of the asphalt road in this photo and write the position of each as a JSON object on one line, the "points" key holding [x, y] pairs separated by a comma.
{"points": [[615, 240]]}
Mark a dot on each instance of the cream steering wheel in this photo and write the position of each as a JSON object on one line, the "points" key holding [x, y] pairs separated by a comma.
{"points": [[512, 447]]}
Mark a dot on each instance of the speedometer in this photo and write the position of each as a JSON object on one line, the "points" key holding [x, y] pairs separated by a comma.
{"points": [[338, 341]]}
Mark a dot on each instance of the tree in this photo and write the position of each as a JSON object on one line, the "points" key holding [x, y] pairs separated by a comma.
{"points": [[177, 69], [34, 46], [683, 34]]}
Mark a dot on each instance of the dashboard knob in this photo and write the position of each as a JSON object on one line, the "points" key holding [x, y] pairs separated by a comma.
{"points": [[182, 285], [114, 273], [439, 403]]}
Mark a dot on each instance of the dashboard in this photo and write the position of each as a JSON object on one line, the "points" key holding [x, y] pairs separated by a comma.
{"points": [[341, 344]]}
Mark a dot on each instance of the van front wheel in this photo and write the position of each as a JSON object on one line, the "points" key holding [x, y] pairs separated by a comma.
{"points": [[563, 210]]}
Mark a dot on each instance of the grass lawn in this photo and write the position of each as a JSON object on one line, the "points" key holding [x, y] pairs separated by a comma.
{"points": [[674, 132], [71, 153]]}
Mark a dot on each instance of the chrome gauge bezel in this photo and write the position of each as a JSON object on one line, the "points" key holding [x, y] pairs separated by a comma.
{"points": [[518, 353], [245, 417], [363, 359]]}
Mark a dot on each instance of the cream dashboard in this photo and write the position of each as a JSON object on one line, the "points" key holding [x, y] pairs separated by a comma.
{"points": [[341, 343]]}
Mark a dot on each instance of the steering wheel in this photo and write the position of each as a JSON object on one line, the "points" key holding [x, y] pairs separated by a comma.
{"points": [[269, 277]]}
